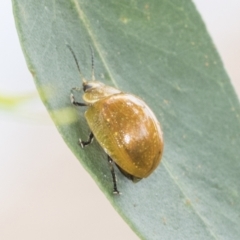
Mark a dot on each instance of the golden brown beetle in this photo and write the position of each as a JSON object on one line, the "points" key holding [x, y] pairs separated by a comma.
{"points": [[124, 126]]}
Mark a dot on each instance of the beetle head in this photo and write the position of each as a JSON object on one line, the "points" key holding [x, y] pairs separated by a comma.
{"points": [[91, 84], [95, 90]]}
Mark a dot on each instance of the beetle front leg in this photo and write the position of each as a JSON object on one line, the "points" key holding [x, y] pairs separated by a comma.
{"points": [[85, 143], [76, 103], [111, 165], [72, 99]]}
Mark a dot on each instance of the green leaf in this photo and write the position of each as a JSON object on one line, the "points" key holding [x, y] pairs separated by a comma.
{"points": [[160, 51]]}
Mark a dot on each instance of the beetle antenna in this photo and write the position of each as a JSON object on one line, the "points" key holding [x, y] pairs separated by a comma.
{"points": [[76, 61], [92, 55]]}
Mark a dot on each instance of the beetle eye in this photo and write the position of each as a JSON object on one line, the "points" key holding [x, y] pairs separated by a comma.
{"points": [[86, 87]]}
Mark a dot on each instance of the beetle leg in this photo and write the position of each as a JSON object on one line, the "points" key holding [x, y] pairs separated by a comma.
{"points": [[111, 165], [73, 99], [76, 103], [85, 143]]}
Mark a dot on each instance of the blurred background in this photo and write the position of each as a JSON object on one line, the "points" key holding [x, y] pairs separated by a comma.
{"points": [[44, 191]]}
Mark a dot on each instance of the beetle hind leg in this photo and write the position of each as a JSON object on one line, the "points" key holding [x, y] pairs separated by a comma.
{"points": [[111, 165], [85, 143]]}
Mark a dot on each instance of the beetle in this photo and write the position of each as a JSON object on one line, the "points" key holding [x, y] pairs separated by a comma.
{"points": [[124, 126]]}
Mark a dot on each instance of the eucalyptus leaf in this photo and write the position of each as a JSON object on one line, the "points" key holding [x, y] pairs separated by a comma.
{"points": [[160, 51]]}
